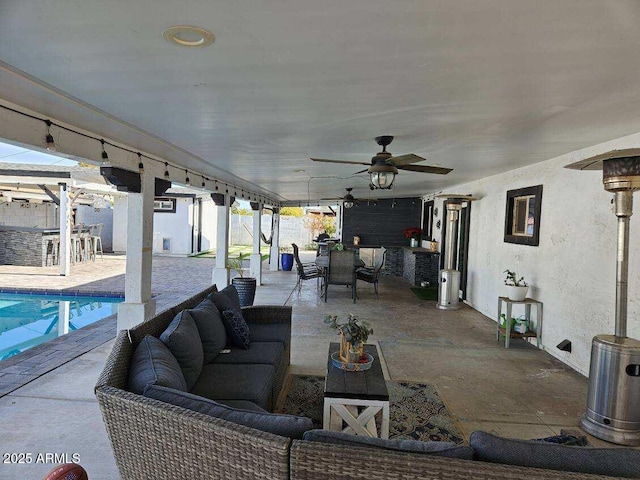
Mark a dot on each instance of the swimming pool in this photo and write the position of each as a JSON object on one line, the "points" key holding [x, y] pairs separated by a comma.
{"points": [[27, 320]]}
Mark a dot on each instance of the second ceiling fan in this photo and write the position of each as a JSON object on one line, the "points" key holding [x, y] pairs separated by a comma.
{"points": [[384, 166]]}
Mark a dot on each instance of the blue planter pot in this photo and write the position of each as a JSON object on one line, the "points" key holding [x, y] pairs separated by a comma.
{"points": [[286, 259]]}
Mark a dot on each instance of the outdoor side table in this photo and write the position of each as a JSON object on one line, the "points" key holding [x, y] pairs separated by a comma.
{"points": [[353, 399], [508, 334]]}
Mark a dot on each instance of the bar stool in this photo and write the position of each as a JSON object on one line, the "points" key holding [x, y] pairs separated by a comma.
{"points": [[95, 231]]}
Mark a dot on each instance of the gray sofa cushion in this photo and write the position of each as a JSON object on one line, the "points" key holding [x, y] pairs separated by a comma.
{"points": [[226, 298], [222, 381], [243, 405], [237, 329], [211, 329], [285, 425], [269, 353], [440, 449], [183, 340], [270, 332], [617, 462], [153, 364]]}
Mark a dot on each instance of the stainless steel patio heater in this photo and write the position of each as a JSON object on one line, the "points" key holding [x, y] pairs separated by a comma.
{"points": [[449, 279], [613, 398]]}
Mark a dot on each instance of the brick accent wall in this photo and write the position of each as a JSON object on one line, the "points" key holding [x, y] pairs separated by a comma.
{"points": [[22, 248]]}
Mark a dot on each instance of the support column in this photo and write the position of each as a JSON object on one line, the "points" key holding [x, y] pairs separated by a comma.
{"points": [[221, 272], [274, 264], [64, 254], [63, 317], [255, 267], [138, 305]]}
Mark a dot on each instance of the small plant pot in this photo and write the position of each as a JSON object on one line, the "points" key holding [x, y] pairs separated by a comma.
{"points": [[517, 294], [286, 259], [413, 242], [246, 287]]}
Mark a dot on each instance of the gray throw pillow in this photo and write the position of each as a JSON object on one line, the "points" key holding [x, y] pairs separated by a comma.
{"points": [[237, 328], [616, 462], [226, 299], [232, 294], [154, 364], [284, 425], [440, 449], [211, 329], [183, 340]]}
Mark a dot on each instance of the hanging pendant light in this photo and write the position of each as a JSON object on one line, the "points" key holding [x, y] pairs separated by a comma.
{"points": [[348, 199], [51, 145]]}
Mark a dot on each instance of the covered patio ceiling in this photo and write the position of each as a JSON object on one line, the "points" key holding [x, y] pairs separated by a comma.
{"points": [[480, 87]]}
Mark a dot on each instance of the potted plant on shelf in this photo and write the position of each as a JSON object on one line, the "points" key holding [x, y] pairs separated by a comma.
{"points": [[517, 288], [353, 335], [413, 234]]}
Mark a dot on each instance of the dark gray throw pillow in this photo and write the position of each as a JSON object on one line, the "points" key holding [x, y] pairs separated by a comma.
{"points": [[440, 449], [237, 328], [616, 462], [183, 340], [211, 329], [284, 425], [154, 364], [226, 299], [232, 294]]}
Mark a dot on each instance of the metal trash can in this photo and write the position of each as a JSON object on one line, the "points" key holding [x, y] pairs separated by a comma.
{"points": [[613, 399], [449, 288]]}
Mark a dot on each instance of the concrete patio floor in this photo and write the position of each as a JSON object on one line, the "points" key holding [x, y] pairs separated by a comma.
{"points": [[521, 392]]}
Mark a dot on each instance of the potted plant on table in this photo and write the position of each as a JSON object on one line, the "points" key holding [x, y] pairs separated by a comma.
{"points": [[517, 288], [353, 335], [413, 234]]}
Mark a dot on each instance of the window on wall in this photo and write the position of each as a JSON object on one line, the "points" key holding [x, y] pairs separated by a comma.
{"points": [[522, 216], [166, 205], [427, 220]]}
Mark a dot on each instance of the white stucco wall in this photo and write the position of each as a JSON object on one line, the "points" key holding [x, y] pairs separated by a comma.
{"points": [[177, 227], [209, 224], [572, 271], [119, 243], [19, 214]]}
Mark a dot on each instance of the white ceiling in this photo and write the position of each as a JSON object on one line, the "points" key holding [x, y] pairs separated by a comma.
{"points": [[478, 86]]}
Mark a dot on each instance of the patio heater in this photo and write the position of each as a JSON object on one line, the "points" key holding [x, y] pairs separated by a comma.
{"points": [[613, 398], [449, 279]]}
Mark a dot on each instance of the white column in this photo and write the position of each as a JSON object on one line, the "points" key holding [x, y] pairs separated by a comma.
{"points": [[65, 230], [274, 264], [221, 272], [63, 317], [138, 305], [255, 267]]}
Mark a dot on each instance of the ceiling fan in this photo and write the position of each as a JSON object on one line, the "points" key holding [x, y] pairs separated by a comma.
{"points": [[348, 200], [384, 166]]}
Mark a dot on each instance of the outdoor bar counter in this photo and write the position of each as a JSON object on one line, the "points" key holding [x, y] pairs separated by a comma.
{"points": [[26, 246], [415, 265]]}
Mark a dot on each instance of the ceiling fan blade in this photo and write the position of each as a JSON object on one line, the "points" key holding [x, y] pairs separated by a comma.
{"points": [[332, 198], [425, 169], [405, 159], [361, 171], [338, 161]]}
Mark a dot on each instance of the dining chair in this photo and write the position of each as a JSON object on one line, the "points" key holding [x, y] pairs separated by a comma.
{"points": [[341, 271], [371, 274]]}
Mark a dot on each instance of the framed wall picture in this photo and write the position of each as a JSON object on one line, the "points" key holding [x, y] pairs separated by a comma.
{"points": [[522, 217]]}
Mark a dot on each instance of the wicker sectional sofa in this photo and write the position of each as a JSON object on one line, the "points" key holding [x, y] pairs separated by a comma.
{"points": [[153, 439]]}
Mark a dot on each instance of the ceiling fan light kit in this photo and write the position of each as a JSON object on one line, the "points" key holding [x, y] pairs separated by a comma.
{"points": [[348, 199], [383, 167]]}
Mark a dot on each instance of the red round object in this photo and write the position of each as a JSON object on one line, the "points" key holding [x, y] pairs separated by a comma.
{"points": [[68, 471]]}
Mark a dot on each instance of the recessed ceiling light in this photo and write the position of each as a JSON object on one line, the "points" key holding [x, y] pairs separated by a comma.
{"points": [[188, 36]]}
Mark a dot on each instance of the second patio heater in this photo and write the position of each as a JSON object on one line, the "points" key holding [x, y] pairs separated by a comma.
{"points": [[449, 279], [613, 398]]}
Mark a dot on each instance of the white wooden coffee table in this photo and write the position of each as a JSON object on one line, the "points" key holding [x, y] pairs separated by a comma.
{"points": [[352, 400]]}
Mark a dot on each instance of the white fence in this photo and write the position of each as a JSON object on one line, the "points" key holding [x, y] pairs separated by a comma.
{"points": [[292, 230]]}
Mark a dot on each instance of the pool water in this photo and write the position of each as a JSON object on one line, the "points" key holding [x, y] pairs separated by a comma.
{"points": [[29, 320]]}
